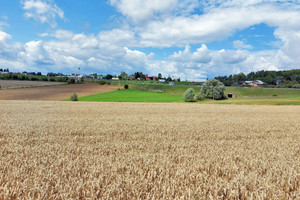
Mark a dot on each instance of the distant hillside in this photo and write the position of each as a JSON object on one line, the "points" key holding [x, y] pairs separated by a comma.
{"points": [[281, 79]]}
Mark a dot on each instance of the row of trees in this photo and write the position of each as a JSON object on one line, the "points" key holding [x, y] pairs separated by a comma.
{"points": [[211, 89], [285, 78], [136, 75], [4, 70]]}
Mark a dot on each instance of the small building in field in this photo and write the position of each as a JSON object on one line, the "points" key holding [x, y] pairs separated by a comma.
{"points": [[230, 95]]}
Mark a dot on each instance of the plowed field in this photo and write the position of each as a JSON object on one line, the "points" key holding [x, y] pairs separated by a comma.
{"points": [[58, 92]]}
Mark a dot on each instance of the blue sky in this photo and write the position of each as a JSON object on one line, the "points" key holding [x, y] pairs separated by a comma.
{"points": [[190, 39]]}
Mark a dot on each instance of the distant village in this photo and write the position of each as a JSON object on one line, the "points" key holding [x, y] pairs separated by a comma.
{"points": [[287, 78]]}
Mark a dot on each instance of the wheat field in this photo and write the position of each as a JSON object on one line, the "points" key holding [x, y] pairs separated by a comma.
{"points": [[90, 150]]}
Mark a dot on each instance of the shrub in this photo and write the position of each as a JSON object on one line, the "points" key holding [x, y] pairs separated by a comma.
{"points": [[296, 86], [213, 89], [44, 79], [74, 97], [34, 79], [102, 82], [200, 96], [71, 81], [126, 86], [189, 95]]}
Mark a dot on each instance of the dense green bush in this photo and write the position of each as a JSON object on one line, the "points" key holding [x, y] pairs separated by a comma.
{"points": [[296, 86], [102, 82], [126, 86], [71, 81], [74, 97], [213, 89], [200, 96], [44, 79], [189, 95]]}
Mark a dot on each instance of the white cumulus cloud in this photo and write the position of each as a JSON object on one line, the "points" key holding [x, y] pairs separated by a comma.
{"points": [[44, 11]]}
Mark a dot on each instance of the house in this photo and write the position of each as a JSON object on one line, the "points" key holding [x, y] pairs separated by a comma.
{"points": [[130, 78], [254, 83], [150, 77]]}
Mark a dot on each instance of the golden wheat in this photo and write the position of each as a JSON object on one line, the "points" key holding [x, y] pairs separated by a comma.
{"points": [[81, 150]]}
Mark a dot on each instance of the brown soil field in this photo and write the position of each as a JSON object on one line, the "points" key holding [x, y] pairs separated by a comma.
{"points": [[20, 84], [59, 92], [98, 150]]}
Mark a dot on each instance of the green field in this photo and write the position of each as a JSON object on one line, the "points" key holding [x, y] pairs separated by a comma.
{"points": [[167, 93], [132, 95], [243, 96]]}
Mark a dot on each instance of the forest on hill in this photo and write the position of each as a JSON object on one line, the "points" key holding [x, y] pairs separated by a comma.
{"points": [[286, 78]]}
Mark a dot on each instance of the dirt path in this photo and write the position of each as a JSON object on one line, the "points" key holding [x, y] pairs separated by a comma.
{"points": [[53, 93]]}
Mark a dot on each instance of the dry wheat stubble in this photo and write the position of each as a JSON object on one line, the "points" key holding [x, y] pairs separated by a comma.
{"points": [[61, 150]]}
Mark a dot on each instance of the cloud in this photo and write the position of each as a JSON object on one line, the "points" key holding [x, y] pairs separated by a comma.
{"points": [[4, 36], [202, 55], [238, 44], [141, 12], [215, 25], [170, 23], [44, 11]]}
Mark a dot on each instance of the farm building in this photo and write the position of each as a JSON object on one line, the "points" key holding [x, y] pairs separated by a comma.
{"points": [[150, 77], [254, 83]]}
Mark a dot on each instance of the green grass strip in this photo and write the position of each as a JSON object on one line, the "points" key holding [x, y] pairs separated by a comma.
{"points": [[131, 95]]}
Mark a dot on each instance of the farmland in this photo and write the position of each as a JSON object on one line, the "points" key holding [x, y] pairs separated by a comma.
{"points": [[57, 92], [103, 150], [243, 96], [132, 96], [24, 84]]}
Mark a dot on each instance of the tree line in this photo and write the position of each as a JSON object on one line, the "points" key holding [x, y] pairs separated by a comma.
{"points": [[284, 78]]}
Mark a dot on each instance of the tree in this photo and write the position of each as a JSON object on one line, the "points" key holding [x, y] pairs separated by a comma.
{"points": [[159, 76], [108, 76], [213, 89], [74, 97], [239, 78], [139, 75], [189, 95], [169, 79], [123, 76], [94, 75]]}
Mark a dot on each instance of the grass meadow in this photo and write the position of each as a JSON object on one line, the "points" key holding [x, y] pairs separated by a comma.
{"points": [[106, 150], [132, 95], [243, 96]]}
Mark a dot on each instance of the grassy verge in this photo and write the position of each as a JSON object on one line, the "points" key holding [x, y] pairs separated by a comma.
{"points": [[132, 95]]}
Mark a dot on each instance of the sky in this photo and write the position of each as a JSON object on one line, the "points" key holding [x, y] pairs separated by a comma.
{"points": [[190, 39]]}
